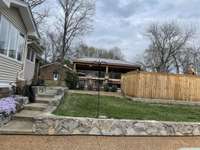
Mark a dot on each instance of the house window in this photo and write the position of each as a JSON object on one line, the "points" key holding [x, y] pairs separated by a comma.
{"points": [[21, 46], [4, 38], [31, 55], [12, 42], [55, 76]]}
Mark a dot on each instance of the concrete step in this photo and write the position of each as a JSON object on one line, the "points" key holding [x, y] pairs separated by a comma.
{"points": [[17, 127], [52, 92], [36, 106], [27, 115], [47, 95], [44, 100]]}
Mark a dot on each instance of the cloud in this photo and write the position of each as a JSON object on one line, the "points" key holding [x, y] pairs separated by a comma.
{"points": [[124, 8], [123, 23]]}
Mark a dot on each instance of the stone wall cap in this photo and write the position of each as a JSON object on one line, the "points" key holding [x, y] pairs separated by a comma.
{"points": [[52, 116]]}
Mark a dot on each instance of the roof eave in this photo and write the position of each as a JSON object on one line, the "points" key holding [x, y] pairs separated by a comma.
{"points": [[26, 14], [5, 3], [47, 65], [110, 64]]}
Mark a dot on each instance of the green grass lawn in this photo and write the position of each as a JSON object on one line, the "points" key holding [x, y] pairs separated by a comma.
{"points": [[81, 105]]}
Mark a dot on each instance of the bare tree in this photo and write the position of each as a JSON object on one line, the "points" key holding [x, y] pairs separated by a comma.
{"points": [[116, 53], [75, 22], [39, 15], [84, 50], [89, 51], [34, 3], [167, 41], [54, 40], [189, 56]]}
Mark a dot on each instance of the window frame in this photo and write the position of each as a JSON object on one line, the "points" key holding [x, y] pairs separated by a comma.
{"points": [[31, 55], [19, 33], [7, 36]]}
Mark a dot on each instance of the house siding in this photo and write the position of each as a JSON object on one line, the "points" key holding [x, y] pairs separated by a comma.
{"points": [[9, 68], [13, 15]]}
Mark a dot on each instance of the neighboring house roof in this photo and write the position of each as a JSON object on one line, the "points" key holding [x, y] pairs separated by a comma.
{"points": [[26, 14], [56, 63], [105, 61]]}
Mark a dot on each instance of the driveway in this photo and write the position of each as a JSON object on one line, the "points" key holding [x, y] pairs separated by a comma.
{"points": [[12, 142]]}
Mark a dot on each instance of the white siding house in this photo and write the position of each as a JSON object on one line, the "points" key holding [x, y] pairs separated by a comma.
{"points": [[19, 42]]}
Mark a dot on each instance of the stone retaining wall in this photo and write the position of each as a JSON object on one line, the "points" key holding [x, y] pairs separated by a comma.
{"points": [[21, 102], [43, 89], [54, 125], [4, 92], [5, 118]]}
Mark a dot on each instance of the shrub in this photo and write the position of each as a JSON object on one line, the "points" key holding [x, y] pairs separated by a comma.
{"points": [[106, 88], [71, 80], [8, 105], [90, 87], [81, 86], [29, 92], [114, 88]]}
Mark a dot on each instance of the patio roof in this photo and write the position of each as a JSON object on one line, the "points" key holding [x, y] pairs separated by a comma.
{"points": [[103, 61]]}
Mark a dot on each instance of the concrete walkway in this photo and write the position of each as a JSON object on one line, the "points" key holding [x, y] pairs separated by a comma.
{"points": [[22, 122], [115, 94], [97, 143]]}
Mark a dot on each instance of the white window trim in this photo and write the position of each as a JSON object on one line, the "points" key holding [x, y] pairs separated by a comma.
{"points": [[29, 59], [19, 32], [9, 44], [25, 47]]}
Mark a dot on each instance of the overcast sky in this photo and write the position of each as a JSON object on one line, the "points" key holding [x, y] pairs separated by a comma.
{"points": [[122, 23]]}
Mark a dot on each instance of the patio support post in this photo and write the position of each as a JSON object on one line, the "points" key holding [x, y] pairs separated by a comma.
{"points": [[74, 67], [106, 75], [107, 71]]}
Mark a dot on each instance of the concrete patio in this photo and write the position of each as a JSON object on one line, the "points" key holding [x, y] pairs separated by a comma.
{"points": [[96, 143]]}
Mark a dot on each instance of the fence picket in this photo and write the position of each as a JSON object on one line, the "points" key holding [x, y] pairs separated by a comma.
{"points": [[161, 86]]}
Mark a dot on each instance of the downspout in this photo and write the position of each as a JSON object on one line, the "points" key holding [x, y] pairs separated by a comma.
{"points": [[21, 73]]}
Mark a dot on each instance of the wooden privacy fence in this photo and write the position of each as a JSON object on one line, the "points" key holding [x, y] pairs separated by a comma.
{"points": [[161, 86]]}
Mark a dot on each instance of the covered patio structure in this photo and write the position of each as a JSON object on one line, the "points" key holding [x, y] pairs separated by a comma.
{"points": [[94, 71]]}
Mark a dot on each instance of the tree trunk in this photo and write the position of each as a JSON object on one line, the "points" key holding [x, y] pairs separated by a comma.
{"points": [[176, 65]]}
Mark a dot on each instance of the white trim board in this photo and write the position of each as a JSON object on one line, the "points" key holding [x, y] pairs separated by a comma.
{"points": [[5, 84]]}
